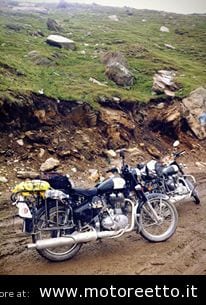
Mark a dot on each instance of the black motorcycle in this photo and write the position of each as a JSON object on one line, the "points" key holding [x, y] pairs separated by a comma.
{"points": [[60, 217]]}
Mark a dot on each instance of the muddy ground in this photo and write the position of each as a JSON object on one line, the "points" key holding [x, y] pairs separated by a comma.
{"points": [[184, 253]]}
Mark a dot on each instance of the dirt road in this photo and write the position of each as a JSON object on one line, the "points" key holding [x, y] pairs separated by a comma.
{"points": [[184, 253]]}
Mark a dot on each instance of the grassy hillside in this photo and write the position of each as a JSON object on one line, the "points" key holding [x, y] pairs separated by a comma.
{"points": [[65, 74]]}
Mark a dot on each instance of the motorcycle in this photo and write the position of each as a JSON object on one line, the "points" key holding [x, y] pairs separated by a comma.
{"points": [[63, 218], [168, 177]]}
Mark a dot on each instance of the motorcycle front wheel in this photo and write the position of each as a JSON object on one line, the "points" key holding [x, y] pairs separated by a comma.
{"points": [[50, 227], [157, 220]]}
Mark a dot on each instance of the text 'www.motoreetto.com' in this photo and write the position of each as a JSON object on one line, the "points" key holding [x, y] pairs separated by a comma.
{"points": [[158, 291]]}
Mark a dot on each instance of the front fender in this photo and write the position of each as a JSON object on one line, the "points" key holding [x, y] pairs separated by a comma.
{"points": [[150, 196]]}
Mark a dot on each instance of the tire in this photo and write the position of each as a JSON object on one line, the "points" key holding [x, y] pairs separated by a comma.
{"points": [[57, 254], [153, 230], [194, 192]]}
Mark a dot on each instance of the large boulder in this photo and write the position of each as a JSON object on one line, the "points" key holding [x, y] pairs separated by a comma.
{"points": [[116, 69], [120, 74], [194, 110], [61, 42]]}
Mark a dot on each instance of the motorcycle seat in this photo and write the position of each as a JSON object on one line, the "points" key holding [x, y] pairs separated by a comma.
{"points": [[85, 192]]}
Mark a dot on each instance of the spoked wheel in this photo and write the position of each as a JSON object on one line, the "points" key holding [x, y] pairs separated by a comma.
{"points": [[56, 220], [158, 220]]}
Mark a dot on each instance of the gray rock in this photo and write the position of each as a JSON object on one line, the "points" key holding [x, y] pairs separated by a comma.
{"points": [[52, 25], [163, 82], [120, 74], [49, 164], [61, 42], [27, 174], [194, 110]]}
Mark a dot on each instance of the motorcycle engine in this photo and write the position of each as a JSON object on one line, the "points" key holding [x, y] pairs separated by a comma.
{"points": [[115, 219]]}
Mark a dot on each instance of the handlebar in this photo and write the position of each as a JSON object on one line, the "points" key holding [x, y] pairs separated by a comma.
{"points": [[112, 170], [178, 154]]}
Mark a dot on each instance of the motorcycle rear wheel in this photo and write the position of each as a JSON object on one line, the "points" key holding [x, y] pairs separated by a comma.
{"points": [[153, 230], [56, 254]]}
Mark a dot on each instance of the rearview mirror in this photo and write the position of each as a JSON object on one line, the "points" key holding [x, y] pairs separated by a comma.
{"points": [[122, 155]]}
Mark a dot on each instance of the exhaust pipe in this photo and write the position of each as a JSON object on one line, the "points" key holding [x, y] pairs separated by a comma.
{"points": [[72, 239], [83, 237]]}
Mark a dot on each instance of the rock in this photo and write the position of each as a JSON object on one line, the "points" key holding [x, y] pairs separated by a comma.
{"points": [[160, 106], [120, 75], [153, 151], [64, 153], [20, 142], [164, 29], [61, 42], [135, 152], [49, 164], [119, 127], [113, 17], [194, 111], [94, 81], [169, 46], [52, 25], [111, 153], [27, 174], [116, 69], [94, 175], [163, 82], [14, 27], [3, 179], [38, 59], [41, 153], [37, 137], [73, 169]]}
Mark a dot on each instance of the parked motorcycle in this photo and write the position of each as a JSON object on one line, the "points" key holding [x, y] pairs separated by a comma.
{"points": [[168, 177], [61, 220]]}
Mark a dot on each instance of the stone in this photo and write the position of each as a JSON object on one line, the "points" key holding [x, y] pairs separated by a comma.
{"points": [[41, 153], [61, 42], [169, 46], [52, 25], [111, 153], [94, 81], [113, 17], [27, 174], [20, 142], [153, 151], [194, 110], [163, 82], [3, 179], [116, 69], [49, 164], [94, 175], [120, 75], [164, 29]]}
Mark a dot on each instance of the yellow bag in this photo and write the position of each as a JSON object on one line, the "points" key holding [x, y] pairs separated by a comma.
{"points": [[34, 186]]}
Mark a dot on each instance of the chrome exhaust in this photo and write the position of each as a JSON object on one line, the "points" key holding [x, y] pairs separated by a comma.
{"points": [[72, 239], [84, 237]]}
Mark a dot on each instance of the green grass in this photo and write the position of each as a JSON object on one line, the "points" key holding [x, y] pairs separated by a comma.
{"points": [[142, 43]]}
